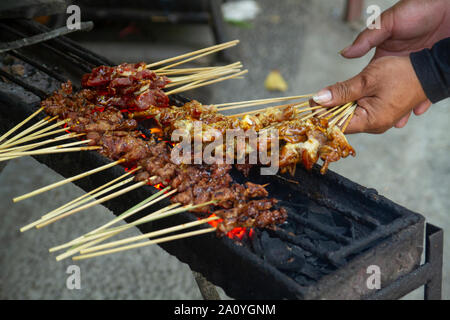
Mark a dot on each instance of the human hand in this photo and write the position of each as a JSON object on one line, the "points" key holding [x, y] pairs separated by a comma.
{"points": [[387, 91], [409, 26]]}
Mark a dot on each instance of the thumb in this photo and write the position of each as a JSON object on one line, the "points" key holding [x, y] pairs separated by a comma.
{"points": [[343, 92], [370, 38]]}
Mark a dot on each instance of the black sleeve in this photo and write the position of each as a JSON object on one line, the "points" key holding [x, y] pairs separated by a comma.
{"points": [[432, 67]]}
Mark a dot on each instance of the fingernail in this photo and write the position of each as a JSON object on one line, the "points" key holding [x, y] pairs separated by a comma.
{"points": [[344, 50], [322, 96]]}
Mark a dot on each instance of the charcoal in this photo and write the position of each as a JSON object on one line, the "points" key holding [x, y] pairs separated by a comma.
{"points": [[279, 254]]}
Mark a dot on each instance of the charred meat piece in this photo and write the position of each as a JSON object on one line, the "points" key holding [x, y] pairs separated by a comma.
{"points": [[128, 86], [123, 146], [314, 139], [125, 75], [109, 120]]}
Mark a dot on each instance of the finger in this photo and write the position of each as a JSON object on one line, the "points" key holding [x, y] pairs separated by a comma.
{"points": [[422, 108], [359, 121], [344, 92], [403, 121], [370, 38]]}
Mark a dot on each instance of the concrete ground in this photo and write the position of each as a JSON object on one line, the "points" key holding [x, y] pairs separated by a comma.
{"points": [[299, 38]]}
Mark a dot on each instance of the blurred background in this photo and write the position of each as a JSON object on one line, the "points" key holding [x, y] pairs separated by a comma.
{"points": [[298, 38]]}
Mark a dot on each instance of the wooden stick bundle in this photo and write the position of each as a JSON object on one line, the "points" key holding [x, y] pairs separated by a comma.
{"points": [[193, 53], [32, 137], [141, 206], [299, 106], [93, 236], [51, 151], [93, 203], [160, 214], [33, 127], [149, 235], [250, 103], [38, 144], [37, 125], [56, 213], [200, 83], [87, 240], [81, 199], [74, 178], [206, 75], [146, 243], [19, 125]]}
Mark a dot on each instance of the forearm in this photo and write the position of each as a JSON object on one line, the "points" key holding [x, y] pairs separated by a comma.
{"points": [[432, 67]]}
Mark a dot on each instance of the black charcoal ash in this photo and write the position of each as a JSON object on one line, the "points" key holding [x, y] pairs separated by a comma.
{"points": [[281, 255]]}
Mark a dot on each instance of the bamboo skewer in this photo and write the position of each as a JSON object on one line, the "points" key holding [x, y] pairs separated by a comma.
{"points": [[169, 72], [198, 84], [15, 140], [74, 178], [349, 119], [85, 238], [137, 206], [93, 203], [329, 110], [266, 108], [19, 125], [262, 109], [250, 103], [204, 76], [189, 54], [338, 111], [77, 249], [340, 119], [155, 216], [37, 144], [337, 118], [192, 58], [235, 65], [136, 209], [301, 105], [57, 124], [312, 114], [195, 57], [310, 109], [89, 196], [160, 214], [52, 215], [35, 137], [40, 151], [148, 235], [35, 126], [77, 201], [52, 151], [344, 116], [146, 243], [46, 120], [200, 75], [142, 205]]}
